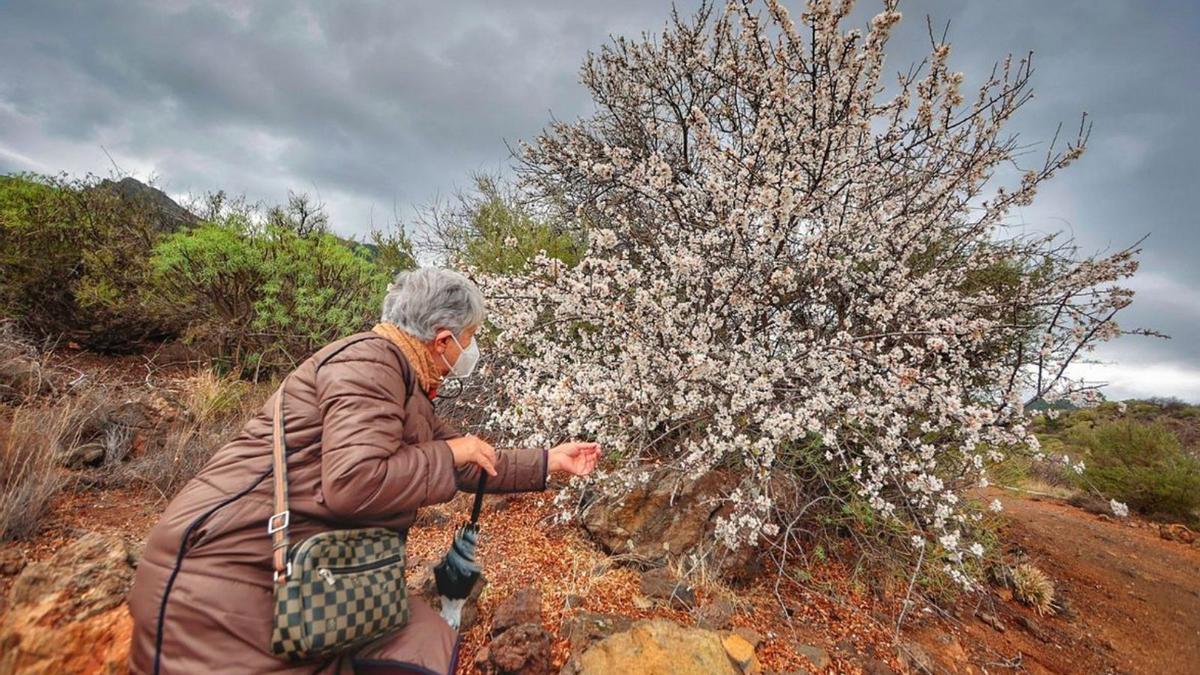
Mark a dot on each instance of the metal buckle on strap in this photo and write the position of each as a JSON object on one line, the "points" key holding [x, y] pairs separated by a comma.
{"points": [[287, 572], [274, 524]]}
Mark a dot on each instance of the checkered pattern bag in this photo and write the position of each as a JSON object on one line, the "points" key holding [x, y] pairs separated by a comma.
{"points": [[337, 590]]}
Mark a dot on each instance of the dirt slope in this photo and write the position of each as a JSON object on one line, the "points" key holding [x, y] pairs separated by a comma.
{"points": [[1131, 590], [1133, 600]]}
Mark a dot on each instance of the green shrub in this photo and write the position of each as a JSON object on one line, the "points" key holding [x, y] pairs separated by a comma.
{"points": [[1143, 465], [492, 230], [263, 298], [75, 257]]}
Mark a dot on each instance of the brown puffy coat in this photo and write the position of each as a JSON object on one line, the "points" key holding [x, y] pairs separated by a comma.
{"points": [[359, 456]]}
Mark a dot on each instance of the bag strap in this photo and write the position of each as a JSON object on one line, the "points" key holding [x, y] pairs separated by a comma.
{"points": [[279, 523]]}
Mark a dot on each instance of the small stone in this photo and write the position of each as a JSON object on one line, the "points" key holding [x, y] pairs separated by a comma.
{"points": [[742, 653], [716, 614], [573, 601], [661, 584], [819, 657], [749, 635], [523, 649], [524, 606], [991, 620], [12, 562]]}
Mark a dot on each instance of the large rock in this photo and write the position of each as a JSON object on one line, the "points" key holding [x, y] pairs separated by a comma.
{"points": [[68, 614], [667, 518], [524, 606], [656, 647]]}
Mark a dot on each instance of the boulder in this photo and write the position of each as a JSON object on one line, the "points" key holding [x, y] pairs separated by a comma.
{"points": [[68, 614], [655, 647], [667, 518]]}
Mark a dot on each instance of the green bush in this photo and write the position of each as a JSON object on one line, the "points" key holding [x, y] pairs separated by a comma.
{"points": [[493, 230], [1143, 465], [263, 298], [75, 257]]}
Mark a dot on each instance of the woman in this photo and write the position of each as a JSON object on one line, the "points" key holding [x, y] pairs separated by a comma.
{"points": [[363, 452]]}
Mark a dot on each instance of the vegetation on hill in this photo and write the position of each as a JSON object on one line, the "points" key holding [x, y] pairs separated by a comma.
{"points": [[1145, 454], [112, 264]]}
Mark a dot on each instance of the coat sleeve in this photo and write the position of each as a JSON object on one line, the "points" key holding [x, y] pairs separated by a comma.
{"points": [[367, 470], [517, 469]]}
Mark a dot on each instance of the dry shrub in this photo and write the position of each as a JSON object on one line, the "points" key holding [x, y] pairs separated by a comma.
{"points": [[29, 475], [208, 396], [213, 410], [24, 373], [185, 451], [1031, 586]]}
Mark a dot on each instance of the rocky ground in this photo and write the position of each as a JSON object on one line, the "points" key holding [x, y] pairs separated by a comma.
{"points": [[553, 601], [607, 598]]}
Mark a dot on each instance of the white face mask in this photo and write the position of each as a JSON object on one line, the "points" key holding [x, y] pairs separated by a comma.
{"points": [[464, 365]]}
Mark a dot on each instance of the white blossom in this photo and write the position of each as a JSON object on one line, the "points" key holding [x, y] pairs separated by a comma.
{"points": [[779, 264]]}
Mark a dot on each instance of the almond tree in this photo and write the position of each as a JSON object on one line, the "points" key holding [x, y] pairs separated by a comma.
{"points": [[798, 272]]}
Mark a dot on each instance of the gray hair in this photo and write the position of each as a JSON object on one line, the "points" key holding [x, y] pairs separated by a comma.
{"points": [[425, 300]]}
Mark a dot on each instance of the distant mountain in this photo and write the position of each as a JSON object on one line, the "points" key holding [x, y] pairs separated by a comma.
{"points": [[169, 214]]}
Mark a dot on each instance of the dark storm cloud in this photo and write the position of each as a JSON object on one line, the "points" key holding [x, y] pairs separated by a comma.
{"points": [[382, 106]]}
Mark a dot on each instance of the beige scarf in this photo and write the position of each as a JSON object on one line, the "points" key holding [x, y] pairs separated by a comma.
{"points": [[417, 354]]}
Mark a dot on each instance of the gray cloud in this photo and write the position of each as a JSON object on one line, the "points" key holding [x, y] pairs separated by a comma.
{"points": [[383, 105]]}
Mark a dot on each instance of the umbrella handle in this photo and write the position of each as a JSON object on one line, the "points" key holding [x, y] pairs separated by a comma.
{"points": [[478, 497]]}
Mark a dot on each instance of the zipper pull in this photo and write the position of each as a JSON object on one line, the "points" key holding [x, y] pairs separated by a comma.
{"points": [[326, 575]]}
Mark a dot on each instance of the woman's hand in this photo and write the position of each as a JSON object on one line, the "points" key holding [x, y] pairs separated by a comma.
{"points": [[575, 458], [471, 449]]}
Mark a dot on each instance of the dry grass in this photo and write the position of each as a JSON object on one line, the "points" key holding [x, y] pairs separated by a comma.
{"points": [[24, 372], [1032, 587], [30, 478], [212, 410]]}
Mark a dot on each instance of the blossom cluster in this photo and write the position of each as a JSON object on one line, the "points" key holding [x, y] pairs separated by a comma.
{"points": [[777, 252]]}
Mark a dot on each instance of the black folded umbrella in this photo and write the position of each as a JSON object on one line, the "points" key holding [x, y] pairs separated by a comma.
{"points": [[457, 573]]}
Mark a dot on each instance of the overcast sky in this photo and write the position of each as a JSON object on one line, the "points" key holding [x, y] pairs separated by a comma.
{"points": [[377, 107]]}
